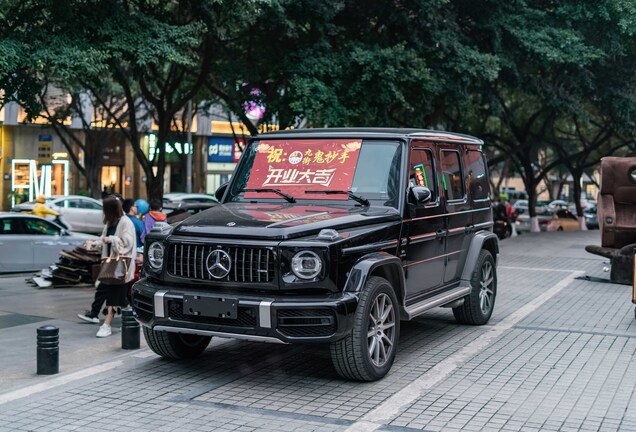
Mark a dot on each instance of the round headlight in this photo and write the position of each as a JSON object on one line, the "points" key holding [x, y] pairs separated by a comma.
{"points": [[306, 265], [155, 255]]}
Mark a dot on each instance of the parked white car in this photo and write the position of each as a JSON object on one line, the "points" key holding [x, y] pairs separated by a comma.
{"points": [[78, 213], [31, 243]]}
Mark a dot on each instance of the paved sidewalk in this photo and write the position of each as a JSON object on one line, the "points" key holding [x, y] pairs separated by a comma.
{"points": [[558, 354]]}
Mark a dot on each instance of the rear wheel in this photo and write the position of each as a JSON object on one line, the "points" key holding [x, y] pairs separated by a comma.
{"points": [[368, 351], [479, 304], [176, 345]]}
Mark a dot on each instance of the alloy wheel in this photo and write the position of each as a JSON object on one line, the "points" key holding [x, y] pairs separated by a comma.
{"points": [[381, 334], [486, 293]]}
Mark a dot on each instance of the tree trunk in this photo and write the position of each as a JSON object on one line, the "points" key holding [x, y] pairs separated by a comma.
{"points": [[576, 187]]}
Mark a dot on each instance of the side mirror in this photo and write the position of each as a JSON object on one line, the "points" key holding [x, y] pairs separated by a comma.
{"points": [[220, 192], [64, 232], [420, 194]]}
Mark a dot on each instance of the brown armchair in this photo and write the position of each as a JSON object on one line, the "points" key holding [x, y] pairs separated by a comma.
{"points": [[617, 202]]}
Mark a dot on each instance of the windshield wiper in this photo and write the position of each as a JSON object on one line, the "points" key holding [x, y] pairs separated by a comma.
{"points": [[288, 197], [351, 195]]}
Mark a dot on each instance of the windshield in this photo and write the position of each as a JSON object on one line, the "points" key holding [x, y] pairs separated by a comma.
{"points": [[314, 169]]}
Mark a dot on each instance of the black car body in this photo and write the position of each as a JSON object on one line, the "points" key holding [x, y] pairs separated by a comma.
{"points": [[327, 267]]}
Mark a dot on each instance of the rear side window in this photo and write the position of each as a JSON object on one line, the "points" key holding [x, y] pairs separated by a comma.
{"points": [[11, 226], [476, 175], [86, 204], [452, 183], [422, 171]]}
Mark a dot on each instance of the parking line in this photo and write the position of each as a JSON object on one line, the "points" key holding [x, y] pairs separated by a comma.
{"points": [[58, 381], [537, 269], [390, 408]]}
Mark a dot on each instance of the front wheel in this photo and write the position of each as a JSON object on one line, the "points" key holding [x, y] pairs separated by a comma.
{"points": [[176, 346], [368, 351], [479, 304]]}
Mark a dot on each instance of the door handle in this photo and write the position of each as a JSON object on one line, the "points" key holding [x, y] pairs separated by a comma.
{"points": [[440, 234]]}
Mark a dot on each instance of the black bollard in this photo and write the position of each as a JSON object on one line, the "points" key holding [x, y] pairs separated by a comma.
{"points": [[129, 330], [48, 351]]}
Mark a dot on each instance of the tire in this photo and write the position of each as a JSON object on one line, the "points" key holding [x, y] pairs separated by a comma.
{"points": [[480, 303], [176, 346], [368, 351]]}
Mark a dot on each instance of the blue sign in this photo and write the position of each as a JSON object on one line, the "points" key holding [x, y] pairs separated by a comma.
{"points": [[220, 149]]}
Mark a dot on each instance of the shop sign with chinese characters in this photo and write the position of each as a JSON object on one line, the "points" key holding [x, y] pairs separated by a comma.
{"points": [[297, 166]]}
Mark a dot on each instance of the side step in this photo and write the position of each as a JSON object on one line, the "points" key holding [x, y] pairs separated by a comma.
{"points": [[439, 300]]}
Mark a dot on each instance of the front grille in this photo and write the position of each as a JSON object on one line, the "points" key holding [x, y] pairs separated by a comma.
{"points": [[143, 306], [246, 316], [248, 264], [306, 322]]}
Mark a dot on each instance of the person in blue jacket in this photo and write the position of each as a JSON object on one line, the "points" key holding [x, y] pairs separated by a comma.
{"points": [[131, 211]]}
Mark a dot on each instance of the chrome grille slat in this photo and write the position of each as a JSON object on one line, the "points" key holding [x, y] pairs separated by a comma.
{"points": [[251, 265], [188, 262]]}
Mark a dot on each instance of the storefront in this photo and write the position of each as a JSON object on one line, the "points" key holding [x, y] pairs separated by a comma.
{"points": [[223, 154], [175, 169], [46, 173]]}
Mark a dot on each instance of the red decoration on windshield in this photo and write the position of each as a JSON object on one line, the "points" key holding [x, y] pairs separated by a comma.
{"points": [[297, 166]]}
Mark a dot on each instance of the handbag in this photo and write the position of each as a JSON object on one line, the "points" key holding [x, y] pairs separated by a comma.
{"points": [[114, 270]]}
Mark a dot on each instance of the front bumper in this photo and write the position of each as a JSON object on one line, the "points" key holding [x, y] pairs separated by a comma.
{"points": [[265, 317]]}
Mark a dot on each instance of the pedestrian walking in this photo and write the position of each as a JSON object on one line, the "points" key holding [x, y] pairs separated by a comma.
{"points": [[153, 216], [117, 242]]}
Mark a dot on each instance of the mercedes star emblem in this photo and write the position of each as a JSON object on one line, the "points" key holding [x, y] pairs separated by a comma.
{"points": [[218, 264]]}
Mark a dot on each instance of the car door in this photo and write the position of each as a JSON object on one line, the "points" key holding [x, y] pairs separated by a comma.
{"points": [[478, 191], [424, 228], [93, 216], [16, 251], [459, 216], [47, 241], [71, 213]]}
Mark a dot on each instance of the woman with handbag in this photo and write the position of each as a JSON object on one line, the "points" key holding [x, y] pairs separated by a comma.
{"points": [[118, 256]]}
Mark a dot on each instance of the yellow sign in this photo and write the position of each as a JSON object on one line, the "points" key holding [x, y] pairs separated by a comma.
{"points": [[45, 145]]}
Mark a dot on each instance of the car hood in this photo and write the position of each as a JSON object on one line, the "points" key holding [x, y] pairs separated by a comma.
{"points": [[279, 221]]}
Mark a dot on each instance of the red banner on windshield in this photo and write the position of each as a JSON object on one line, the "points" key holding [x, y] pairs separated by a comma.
{"points": [[297, 166]]}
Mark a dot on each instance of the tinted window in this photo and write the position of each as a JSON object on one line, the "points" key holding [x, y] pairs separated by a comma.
{"points": [[422, 171], [476, 174], [86, 204], [377, 172], [40, 227], [11, 226], [452, 183], [70, 203]]}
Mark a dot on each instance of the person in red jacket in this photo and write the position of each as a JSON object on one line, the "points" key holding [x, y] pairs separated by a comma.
{"points": [[152, 217]]}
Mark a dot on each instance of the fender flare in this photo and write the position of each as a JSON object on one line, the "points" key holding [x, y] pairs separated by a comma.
{"points": [[482, 240], [367, 264]]}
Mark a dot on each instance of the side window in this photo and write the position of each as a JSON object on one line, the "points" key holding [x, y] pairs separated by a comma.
{"points": [[71, 203], [422, 172], [476, 175], [11, 226], [452, 181], [40, 227], [86, 204]]}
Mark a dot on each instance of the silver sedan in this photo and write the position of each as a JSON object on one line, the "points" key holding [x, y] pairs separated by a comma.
{"points": [[32, 243]]}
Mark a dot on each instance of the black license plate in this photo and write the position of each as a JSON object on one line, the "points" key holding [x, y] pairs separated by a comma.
{"points": [[216, 307]]}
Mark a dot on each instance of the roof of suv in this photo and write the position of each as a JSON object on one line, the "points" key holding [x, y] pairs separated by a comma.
{"points": [[431, 135]]}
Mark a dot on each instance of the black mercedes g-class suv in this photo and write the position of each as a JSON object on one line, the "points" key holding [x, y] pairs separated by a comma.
{"points": [[327, 236]]}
